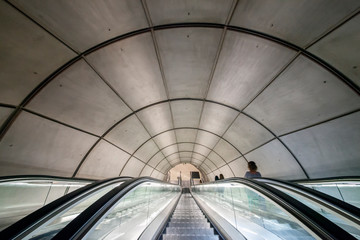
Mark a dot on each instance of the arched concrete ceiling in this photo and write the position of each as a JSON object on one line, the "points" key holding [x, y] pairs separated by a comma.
{"points": [[105, 88]]}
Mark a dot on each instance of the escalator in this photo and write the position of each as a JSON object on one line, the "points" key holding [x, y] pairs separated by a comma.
{"points": [[145, 208]]}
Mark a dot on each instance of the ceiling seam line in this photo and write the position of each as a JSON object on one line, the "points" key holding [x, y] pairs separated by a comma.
{"points": [[132, 110], [222, 137], [278, 74], [261, 145], [289, 150], [59, 122], [7, 124], [321, 122], [212, 71], [43, 28], [121, 99], [77, 169], [333, 28], [5, 105], [146, 164], [158, 56], [231, 12], [201, 112]]}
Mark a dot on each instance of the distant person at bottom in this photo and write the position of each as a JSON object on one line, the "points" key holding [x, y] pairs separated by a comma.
{"points": [[252, 173]]}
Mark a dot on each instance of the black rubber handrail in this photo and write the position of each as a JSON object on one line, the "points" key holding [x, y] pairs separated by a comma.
{"points": [[350, 209], [4, 179], [320, 225], [25, 223], [78, 227]]}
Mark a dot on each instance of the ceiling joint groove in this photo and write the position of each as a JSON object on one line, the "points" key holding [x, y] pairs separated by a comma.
{"points": [[11, 119], [263, 144], [286, 66], [278, 138], [84, 158], [161, 67], [333, 28], [107, 83], [59, 122], [319, 123], [231, 12], [43, 28]]}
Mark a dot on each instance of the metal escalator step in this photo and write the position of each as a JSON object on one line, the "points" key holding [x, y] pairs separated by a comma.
{"points": [[189, 237], [188, 220], [186, 224], [195, 231]]}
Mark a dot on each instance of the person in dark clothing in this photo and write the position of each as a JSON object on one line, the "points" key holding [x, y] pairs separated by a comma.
{"points": [[252, 173], [216, 178]]}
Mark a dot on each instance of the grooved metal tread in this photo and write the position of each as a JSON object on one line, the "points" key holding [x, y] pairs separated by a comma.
{"points": [[188, 222]]}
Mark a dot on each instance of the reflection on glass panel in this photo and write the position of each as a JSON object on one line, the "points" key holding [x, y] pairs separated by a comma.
{"points": [[336, 218], [52, 226], [134, 212], [347, 191], [20, 197], [350, 193], [253, 214]]}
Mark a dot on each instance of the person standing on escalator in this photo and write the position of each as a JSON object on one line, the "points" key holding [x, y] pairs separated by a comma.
{"points": [[252, 173]]}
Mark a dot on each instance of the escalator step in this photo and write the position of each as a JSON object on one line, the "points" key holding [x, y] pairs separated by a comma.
{"points": [[189, 237], [197, 231], [186, 224]]}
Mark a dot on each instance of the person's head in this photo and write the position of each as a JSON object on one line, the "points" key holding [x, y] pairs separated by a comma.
{"points": [[221, 176], [216, 178], [252, 166]]}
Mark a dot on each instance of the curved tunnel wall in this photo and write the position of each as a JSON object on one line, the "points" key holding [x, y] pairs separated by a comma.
{"points": [[160, 89]]}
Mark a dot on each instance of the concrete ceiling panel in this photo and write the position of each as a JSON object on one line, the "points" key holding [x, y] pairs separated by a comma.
{"points": [[146, 171], [146, 151], [164, 163], [216, 159], [204, 168], [275, 161], [299, 22], [133, 168], [173, 157], [184, 155], [132, 69], [156, 118], [210, 165], [197, 156], [246, 65], [202, 150], [188, 55], [170, 150], [165, 139], [128, 135], [34, 145], [217, 118], [246, 134], [196, 162], [5, 113], [28, 55], [304, 94], [96, 21], [154, 161], [207, 139], [226, 151], [174, 11], [78, 97], [341, 49], [186, 113], [239, 167], [330, 149], [104, 161], [226, 171], [186, 135], [186, 147]]}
